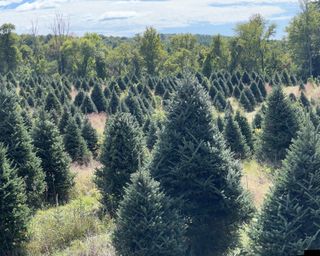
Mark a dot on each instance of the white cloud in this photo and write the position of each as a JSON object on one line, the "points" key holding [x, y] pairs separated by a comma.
{"points": [[126, 17]]}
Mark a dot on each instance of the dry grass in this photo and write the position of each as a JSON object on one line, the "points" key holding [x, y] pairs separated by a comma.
{"points": [[98, 121], [256, 179]]}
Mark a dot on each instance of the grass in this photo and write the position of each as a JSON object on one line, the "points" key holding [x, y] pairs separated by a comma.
{"points": [[257, 180]]}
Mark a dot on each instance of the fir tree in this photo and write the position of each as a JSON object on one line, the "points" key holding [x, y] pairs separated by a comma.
{"points": [[147, 224], [245, 129], [304, 100], [152, 135], [114, 103], [52, 103], [236, 92], [88, 106], [75, 144], [79, 98], [262, 88], [20, 149], [234, 138], [245, 102], [257, 121], [220, 124], [54, 160], [14, 212], [196, 169], [122, 153], [98, 98], [91, 137], [280, 125], [289, 221], [256, 92], [220, 102]]}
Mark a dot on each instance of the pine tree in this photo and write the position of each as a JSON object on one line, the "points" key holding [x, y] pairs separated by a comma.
{"points": [[122, 153], [152, 135], [98, 98], [280, 125], [14, 212], [250, 96], [236, 92], [244, 128], [147, 224], [257, 121], [196, 169], [234, 138], [220, 102], [289, 220], [262, 88], [91, 137], [75, 144], [15, 137], [220, 124], [64, 120], [54, 160]]}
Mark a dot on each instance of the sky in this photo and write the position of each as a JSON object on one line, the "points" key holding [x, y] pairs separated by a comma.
{"points": [[129, 17]]}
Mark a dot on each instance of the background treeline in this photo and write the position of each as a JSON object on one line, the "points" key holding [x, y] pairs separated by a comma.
{"points": [[252, 48]]}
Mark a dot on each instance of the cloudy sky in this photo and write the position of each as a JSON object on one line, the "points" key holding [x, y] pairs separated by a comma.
{"points": [[128, 17]]}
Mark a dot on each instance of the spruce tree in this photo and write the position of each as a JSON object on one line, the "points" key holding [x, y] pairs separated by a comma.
{"points": [[234, 138], [304, 100], [244, 128], [21, 152], [75, 144], [54, 160], [256, 92], [147, 224], [91, 137], [280, 125], [289, 221], [98, 98], [196, 169], [14, 212], [79, 98], [220, 102], [52, 103], [123, 151]]}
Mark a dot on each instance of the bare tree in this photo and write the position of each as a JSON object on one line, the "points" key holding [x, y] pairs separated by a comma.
{"points": [[60, 32]]}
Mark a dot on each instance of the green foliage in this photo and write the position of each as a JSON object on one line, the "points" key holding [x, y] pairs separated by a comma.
{"points": [[289, 223], [98, 98], [91, 137], [245, 129], [280, 125], [75, 144], [54, 160], [14, 210], [15, 137], [88, 106], [234, 138], [194, 167], [147, 224], [122, 154]]}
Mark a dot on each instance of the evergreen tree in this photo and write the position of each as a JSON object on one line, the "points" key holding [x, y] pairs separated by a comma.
{"points": [[236, 92], [75, 144], [79, 98], [257, 121], [91, 137], [14, 212], [54, 160], [246, 103], [196, 169], [88, 106], [15, 137], [234, 138], [98, 98], [304, 100], [114, 103], [280, 125], [244, 128], [289, 221], [52, 103], [256, 92], [147, 224], [64, 120], [122, 153], [152, 135], [262, 88], [220, 102], [220, 124], [250, 96]]}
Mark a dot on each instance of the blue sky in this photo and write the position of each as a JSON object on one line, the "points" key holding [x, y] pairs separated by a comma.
{"points": [[128, 17]]}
